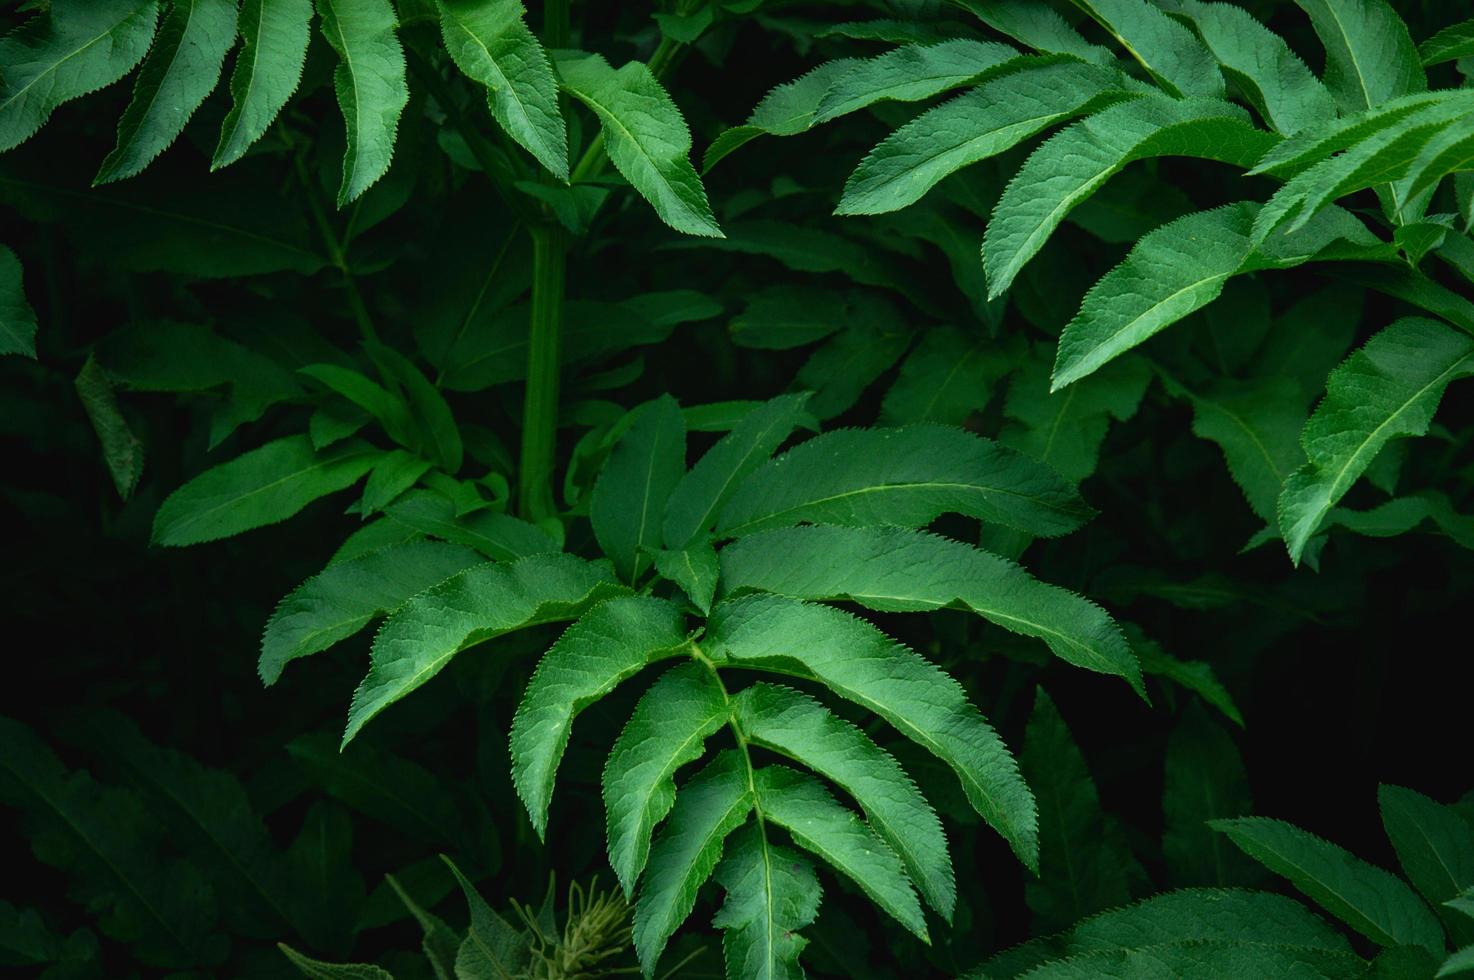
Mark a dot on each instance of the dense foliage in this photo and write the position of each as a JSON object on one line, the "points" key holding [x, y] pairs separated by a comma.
{"points": [[434, 495]]}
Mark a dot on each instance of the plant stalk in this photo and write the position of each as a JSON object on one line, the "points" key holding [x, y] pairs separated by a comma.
{"points": [[544, 353]]}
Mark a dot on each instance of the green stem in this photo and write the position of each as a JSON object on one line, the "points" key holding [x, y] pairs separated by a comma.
{"points": [[540, 403], [737, 733]]}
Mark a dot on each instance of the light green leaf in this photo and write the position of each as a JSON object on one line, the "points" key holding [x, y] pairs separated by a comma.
{"points": [[1389, 389], [797, 726], [785, 111], [1259, 62], [1170, 53], [471, 607], [1038, 27], [491, 44], [181, 69], [1369, 56], [76, 47], [371, 86], [820, 825], [320, 970], [668, 729], [261, 487], [1074, 163], [1402, 514], [861, 664], [1457, 964], [492, 949], [394, 474], [697, 499], [909, 74], [995, 116], [646, 138], [629, 498], [708, 808], [906, 476], [1368, 899], [346, 596], [17, 319], [694, 569], [268, 68], [901, 570], [772, 893], [611, 643], [498, 536], [1453, 42]]}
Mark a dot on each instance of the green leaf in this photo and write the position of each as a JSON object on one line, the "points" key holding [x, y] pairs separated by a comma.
{"points": [[76, 47], [1369, 56], [785, 111], [107, 843], [501, 537], [429, 405], [1065, 429], [668, 729], [708, 808], [471, 607], [991, 118], [1259, 62], [1458, 963], [907, 476], [17, 319], [801, 805], [1435, 846], [1389, 389], [348, 595], [901, 570], [1082, 866], [389, 479], [181, 69], [771, 894], [694, 569], [1038, 27], [1170, 53], [268, 68], [909, 74], [844, 366], [629, 498], [1180, 268], [319, 970], [797, 726], [492, 949], [438, 942], [697, 499], [371, 87], [1453, 42], [1205, 780], [1368, 899], [1257, 425], [261, 487], [121, 449], [1402, 514], [646, 138], [389, 408], [946, 378], [491, 44], [611, 643], [861, 664], [1074, 163]]}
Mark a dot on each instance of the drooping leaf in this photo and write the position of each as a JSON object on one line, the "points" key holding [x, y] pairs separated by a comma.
{"points": [[181, 69], [861, 664], [371, 87], [347, 595], [1074, 163], [268, 68], [1389, 389], [1176, 59], [612, 642], [695, 502], [825, 828], [998, 114], [646, 137], [785, 111], [772, 893], [901, 570], [75, 47], [629, 499], [1369, 56], [909, 74], [491, 44], [1368, 899], [667, 730], [261, 487], [708, 808], [471, 607], [906, 476], [795, 725], [17, 319]]}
